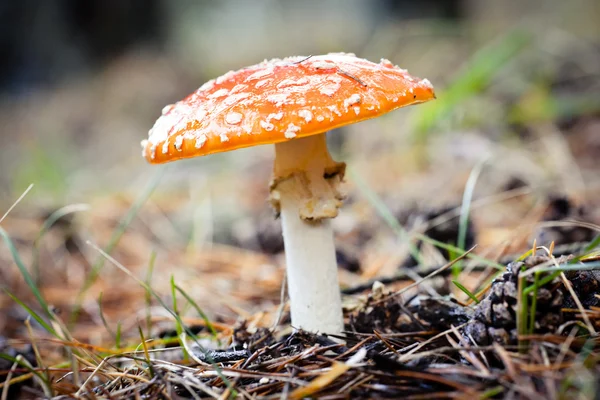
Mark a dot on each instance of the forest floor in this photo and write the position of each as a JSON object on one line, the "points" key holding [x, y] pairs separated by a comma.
{"points": [[170, 295]]}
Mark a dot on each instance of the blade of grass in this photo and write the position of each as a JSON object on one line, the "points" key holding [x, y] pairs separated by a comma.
{"points": [[146, 353], [114, 240], [475, 76], [26, 365], [452, 255], [556, 272], [423, 279], [147, 296], [9, 377], [466, 291], [209, 325], [118, 335], [33, 314], [178, 326], [38, 358], [102, 318], [586, 355], [545, 280], [522, 309], [490, 393], [593, 244], [465, 209], [526, 254], [533, 309], [23, 269], [385, 213], [548, 107], [588, 266], [449, 248]]}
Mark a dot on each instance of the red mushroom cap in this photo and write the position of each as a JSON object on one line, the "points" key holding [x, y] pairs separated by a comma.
{"points": [[279, 100]]}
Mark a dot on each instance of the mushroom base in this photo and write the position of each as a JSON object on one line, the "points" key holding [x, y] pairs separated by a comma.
{"points": [[305, 191]]}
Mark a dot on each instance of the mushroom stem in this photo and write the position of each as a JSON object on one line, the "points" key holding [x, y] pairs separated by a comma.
{"points": [[305, 191]]}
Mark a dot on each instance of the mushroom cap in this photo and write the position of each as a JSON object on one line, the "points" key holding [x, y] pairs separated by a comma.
{"points": [[280, 100]]}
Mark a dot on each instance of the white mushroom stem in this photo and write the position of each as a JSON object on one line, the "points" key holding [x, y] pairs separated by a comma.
{"points": [[305, 191]]}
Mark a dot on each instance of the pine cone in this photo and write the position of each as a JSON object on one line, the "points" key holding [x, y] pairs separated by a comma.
{"points": [[495, 319]]}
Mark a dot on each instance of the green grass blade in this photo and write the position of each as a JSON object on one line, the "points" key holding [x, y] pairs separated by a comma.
{"points": [[146, 353], [555, 272], [589, 249], [147, 296], [118, 335], [178, 325], [385, 213], [455, 250], [545, 280], [525, 255], [593, 244], [28, 279], [522, 309], [102, 318], [588, 266], [533, 309], [24, 364], [550, 107], [490, 393], [465, 210], [466, 291], [475, 76], [209, 325], [33, 314]]}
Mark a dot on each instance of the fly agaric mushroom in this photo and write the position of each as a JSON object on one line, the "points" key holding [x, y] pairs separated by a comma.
{"points": [[291, 103]]}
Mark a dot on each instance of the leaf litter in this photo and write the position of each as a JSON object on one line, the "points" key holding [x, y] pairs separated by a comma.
{"points": [[399, 340]]}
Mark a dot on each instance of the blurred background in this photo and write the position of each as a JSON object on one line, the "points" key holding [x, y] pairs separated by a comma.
{"points": [[82, 82]]}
